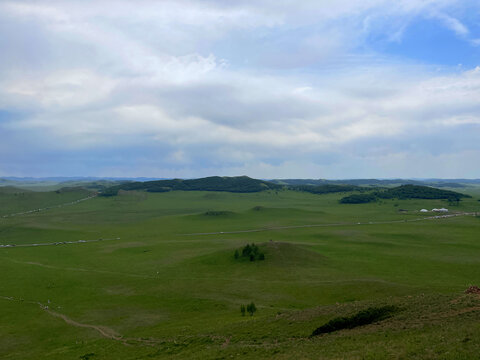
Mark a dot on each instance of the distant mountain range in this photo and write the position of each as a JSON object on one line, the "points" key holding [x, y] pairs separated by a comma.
{"points": [[75, 178], [278, 181], [218, 183], [381, 182], [366, 190]]}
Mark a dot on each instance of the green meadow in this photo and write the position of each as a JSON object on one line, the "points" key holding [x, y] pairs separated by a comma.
{"points": [[160, 281]]}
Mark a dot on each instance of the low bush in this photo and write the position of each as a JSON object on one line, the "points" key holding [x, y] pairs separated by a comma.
{"points": [[363, 317], [242, 309]]}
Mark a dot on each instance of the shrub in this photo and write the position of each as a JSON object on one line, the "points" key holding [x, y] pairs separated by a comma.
{"points": [[251, 308], [87, 356], [242, 309], [363, 317]]}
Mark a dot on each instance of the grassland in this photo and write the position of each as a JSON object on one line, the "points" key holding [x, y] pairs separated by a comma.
{"points": [[156, 291]]}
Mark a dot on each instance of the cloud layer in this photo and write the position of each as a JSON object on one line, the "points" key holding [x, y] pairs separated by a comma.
{"points": [[195, 88]]}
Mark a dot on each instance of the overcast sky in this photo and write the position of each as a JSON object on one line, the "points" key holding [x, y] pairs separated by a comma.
{"points": [[265, 88]]}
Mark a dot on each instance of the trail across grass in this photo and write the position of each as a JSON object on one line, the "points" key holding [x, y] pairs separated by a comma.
{"points": [[49, 207], [58, 243], [335, 225]]}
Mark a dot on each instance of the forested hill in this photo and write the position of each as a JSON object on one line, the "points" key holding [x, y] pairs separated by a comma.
{"points": [[420, 192], [327, 188], [244, 184], [404, 192], [239, 184]]}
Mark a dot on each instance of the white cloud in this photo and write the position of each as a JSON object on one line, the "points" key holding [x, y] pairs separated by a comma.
{"points": [[475, 42], [173, 76], [64, 89], [454, 24]]}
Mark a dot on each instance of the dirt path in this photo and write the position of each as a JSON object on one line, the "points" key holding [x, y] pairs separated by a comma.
{"points": [[56, 243], [139, 276], [106, 272], [104, 331], [331, 225], [49, 207]]}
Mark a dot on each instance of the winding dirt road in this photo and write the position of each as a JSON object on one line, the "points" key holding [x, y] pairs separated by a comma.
{"points": [[56, 243], [333, 224], [49, 207]]}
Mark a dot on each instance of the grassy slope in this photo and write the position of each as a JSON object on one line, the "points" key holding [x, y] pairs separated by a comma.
{"points": [[185, 291]]}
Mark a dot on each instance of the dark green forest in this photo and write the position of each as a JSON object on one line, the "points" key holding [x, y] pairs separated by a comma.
{"points": [[238, 184], [405, 192]]}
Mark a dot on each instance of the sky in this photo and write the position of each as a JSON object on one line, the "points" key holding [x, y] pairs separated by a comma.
{"points": [[264, 88]]}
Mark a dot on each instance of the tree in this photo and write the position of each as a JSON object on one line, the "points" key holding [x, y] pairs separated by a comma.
{"points": [[251, 308], [261, 256], [242, 309], [246, 250]]}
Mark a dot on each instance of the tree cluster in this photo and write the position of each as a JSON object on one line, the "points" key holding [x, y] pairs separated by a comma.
{"points": [[251, 252], [250, 308]]}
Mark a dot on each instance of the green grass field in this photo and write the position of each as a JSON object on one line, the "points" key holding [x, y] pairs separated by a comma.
{"points": [[151, 290]]}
